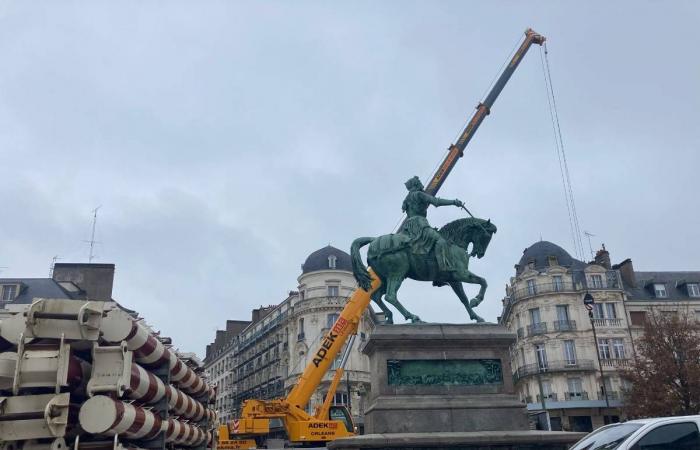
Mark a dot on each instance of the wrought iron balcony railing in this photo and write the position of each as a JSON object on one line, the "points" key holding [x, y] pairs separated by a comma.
{"points": [[537, 328], [615, 362], [564, 325], [579, 283], [612, 395], [552, 396], [553, 366], [568, 396]]}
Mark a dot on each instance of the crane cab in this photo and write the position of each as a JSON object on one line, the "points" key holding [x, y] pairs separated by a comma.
{"points": [[338, 424], [341, 413]]}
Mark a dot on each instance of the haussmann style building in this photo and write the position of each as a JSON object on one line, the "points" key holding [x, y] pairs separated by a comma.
{"points": [[555, 359], [567, 364]]}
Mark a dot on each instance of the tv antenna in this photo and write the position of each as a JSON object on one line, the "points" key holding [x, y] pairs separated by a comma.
{"points": [[53, 263], [92, 241], [590, 247]]}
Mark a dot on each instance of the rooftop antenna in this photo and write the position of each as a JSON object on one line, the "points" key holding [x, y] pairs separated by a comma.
{"points": [[92, 241], [53, 263], [590, 247]]}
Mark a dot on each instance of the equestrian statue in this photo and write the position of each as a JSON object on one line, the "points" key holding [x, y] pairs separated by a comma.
{"points": [[421, 252]]}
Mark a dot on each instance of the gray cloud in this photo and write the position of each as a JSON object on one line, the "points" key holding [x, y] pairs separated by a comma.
{"points": [[226, 141]]}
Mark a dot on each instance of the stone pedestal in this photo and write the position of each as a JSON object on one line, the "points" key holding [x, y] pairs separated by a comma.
{"points": [[441, 378]]}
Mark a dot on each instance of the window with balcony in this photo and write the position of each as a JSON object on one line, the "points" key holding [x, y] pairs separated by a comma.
{"points": [[660, 290], [570, 352], [564, 323], [563, 312], [604, 349], [575, 388], [611, 311], [557, 283], [693, 289], [597, 281], [531, 287], [618, 347], [598, 311], [547, 388], [333, 291], [541, 356], [9, 292], [535, 316]]}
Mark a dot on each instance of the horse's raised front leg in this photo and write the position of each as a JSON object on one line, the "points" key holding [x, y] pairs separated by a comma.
{"points": [[377, 298], [475, 279], [459, 290], [392, 286]]}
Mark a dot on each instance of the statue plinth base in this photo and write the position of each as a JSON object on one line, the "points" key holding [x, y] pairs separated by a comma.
{"points": [[442, 378], [446, 387]]}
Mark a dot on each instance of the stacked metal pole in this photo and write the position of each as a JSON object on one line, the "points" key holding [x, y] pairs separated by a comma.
{"points": [[89, 375]]}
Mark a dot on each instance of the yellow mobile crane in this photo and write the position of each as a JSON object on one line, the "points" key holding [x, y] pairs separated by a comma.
{"points": [[329, 422], [333, 422]]}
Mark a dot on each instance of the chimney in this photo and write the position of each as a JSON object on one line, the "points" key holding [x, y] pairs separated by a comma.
{"points": [[260, 313], [602, 257], [96, 280], [627, 272]]}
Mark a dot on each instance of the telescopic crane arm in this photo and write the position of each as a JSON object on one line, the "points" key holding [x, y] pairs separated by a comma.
{"points": [[456, 150]]}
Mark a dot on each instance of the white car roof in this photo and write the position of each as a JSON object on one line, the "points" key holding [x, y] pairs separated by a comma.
{"points": [[659, 419]]}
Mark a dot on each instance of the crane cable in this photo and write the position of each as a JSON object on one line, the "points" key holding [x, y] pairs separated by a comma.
{"points": [[561, 155]]}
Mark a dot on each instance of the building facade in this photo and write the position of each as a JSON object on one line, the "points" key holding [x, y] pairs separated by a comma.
{"points": [[567, 363], [264, 360], [659, 292], [555, 359]]}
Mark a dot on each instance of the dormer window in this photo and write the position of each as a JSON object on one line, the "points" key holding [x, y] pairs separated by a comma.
{"points": [[693, 289], [9, 292], [331, 261], [552, 260], [660, 290]]}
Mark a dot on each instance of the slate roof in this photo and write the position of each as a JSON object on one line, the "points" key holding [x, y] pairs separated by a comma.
{"points": [[539, 253], [38, 287], [675, 283], [318, 260]]}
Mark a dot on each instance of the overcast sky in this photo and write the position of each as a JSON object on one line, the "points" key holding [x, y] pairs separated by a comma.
{"points": [[226, 141]]}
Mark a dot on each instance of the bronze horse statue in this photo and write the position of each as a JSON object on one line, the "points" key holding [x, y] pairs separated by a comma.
{"points": [[393, 260]]}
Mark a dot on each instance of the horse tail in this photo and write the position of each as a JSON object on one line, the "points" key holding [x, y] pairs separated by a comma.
{"points": [[359, 270]]}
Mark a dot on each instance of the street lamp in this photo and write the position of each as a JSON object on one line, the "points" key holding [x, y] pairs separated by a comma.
{"points": [[588, 302]]}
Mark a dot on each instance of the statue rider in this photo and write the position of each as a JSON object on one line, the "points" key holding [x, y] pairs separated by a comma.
{"points": [[423, 236]]}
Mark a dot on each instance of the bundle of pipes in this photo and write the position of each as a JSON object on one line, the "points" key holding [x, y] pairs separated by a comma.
{"points": [[147, 388], [66, 365], [104, 416], [150, 352]]}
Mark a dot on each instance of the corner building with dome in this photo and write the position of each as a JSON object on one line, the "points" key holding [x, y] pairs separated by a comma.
{"points": [[264, 360], [555, 360]]}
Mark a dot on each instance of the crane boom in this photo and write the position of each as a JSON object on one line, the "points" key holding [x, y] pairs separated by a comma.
{"points": [[456, 150]]}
